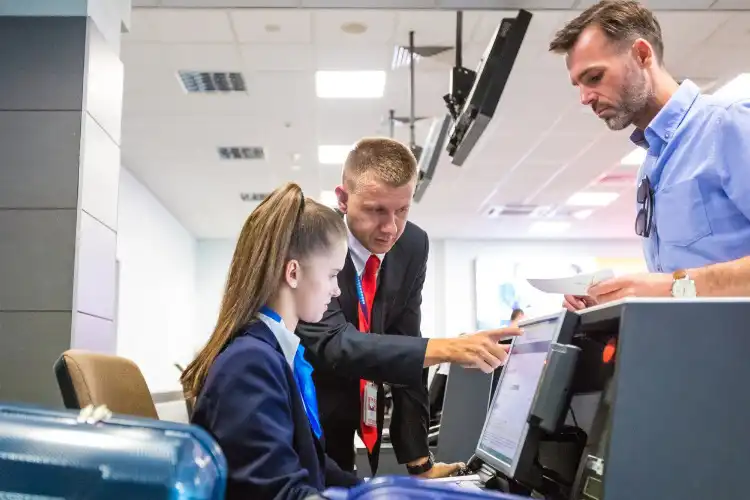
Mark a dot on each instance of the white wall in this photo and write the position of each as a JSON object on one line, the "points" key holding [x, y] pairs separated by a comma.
{"points": [[213, 259], [448, 306], [454, 297], [156, 294]]}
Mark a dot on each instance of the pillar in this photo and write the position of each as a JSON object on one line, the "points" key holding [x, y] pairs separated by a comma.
{"points": [[61, 87]]}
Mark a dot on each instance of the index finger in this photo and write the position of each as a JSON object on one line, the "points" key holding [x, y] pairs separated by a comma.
{"points": [[604, 287], [503, 333]]}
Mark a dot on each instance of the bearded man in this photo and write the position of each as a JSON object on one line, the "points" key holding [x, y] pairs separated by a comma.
{"points": [[693, 196]]}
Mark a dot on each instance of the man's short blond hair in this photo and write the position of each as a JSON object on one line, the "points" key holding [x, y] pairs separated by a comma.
{"points": [[379, 158]]}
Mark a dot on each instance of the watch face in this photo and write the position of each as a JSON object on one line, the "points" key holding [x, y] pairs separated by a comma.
{"points": [[683, 288]]}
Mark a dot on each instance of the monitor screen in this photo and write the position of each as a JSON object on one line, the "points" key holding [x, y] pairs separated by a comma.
{"points": [[505, 427]]}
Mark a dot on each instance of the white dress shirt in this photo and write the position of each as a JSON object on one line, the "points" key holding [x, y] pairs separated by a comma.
{"points": [[285, 337], [359, 253]]}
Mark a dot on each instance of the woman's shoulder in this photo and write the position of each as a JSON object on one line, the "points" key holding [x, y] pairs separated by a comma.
{"points": [[251, 353]]}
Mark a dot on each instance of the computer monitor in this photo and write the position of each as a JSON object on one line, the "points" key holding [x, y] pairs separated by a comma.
{"points": [[506, 427]]}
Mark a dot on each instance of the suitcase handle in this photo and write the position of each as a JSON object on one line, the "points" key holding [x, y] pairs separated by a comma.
{"points": [[94, 414]]}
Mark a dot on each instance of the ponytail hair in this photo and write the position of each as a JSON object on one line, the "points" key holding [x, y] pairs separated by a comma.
{"points": [[284, 226]]}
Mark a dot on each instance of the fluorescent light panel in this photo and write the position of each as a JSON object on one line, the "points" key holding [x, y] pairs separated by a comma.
{"points": [[328, 198], [350, 84], [583, 214], [549, 227], [737, 87], [592, 199], [333, 154], [634, 158]]}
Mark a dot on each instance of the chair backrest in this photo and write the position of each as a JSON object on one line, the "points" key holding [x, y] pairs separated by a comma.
{"points": [[98, 379]]}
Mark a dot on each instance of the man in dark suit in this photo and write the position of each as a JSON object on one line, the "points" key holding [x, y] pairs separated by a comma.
{"points": [[381, 293]]}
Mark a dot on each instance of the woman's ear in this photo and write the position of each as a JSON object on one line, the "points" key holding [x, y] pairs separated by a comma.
{"points": [[291, 273]]}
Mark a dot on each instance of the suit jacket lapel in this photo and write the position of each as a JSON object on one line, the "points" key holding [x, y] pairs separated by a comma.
{"points": [[388, 279], [348, 298]]}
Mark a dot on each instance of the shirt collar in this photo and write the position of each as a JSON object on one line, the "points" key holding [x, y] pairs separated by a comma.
{"points": [[286, 338], [358, 251], [662, 128]]}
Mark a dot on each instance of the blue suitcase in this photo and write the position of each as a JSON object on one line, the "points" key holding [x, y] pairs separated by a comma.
{"points": [[403, 488], [55, 455]]}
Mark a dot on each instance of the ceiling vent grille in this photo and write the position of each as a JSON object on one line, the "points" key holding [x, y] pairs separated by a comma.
{"points": [[241, 153], [513, 210], [205, 82], [254, 197], [530, 211]]}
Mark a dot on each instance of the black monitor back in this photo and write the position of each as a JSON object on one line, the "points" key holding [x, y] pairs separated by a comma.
{"points": [[672, 421], [467, 396]]}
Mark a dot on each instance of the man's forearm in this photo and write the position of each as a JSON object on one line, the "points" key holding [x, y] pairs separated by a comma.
{"points": [[727, 279], [438, 351]]}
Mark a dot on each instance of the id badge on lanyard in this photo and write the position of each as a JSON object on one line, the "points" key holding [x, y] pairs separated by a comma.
{"points": [[370, 396], [370, 405]]}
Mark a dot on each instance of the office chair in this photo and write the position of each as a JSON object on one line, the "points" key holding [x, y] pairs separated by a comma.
{"points": [[87, 378]]}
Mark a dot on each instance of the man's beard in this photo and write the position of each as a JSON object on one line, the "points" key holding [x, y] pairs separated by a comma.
{"points": [[635, 93]]}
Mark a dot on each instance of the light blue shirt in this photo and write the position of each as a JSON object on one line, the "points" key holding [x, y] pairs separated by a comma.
{"points": [[698, 162]]}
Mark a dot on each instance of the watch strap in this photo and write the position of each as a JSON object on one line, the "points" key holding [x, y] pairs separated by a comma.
{"points": [[415, 470], [680, 274]]}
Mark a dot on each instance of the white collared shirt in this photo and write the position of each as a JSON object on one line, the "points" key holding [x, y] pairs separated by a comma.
{"points": [[285, 337], [359, 253]]}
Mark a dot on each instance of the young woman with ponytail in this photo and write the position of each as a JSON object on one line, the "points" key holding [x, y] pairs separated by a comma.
{"points": [[253, 388]]}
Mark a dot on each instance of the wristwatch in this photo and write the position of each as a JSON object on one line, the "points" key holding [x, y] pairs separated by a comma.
{"points": [[415, 470], [682, 285]]}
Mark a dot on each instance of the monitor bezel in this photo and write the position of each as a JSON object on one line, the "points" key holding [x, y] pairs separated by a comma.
{"points": [[509, 470]]}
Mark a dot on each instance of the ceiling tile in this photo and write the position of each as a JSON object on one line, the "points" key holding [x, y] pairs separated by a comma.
{"points": [[731, 4], [230, 4], [367, 4], [660, 4], [711, 61], [431, 27], [278, 57], [380, 27], [734, 32], [507, 4], [272, 26], [181, 56], [180, 25], [347, 58]]}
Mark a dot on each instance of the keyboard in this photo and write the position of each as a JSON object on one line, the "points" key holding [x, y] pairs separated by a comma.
{"points": [[464, 471], [471, 485]]}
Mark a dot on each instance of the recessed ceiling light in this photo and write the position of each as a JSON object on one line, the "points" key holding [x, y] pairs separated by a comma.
{"points": [[328, 198], [350, 84], [592, 199], [739, 86], [634, 158], [549, 227], [583, 214], [333, 155], [354, 28]]}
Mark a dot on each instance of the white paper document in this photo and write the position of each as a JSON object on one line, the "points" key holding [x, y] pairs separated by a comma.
{"points": [[572, 285]]}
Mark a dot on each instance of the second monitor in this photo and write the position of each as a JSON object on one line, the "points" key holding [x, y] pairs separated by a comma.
{"points": [[527, 404]]}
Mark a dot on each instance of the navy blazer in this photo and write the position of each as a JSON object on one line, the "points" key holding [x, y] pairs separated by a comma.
{"points": [[251, 405]]}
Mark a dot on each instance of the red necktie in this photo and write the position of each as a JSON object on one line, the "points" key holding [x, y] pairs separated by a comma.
{"points": [[369, 284]]}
